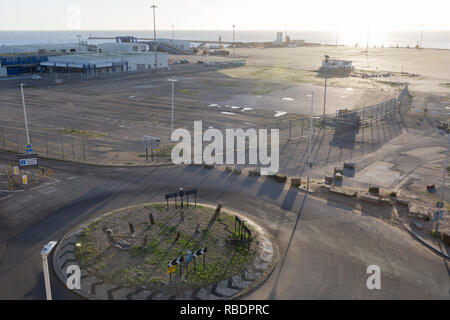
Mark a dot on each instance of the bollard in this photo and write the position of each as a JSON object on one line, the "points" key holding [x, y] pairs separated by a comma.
{"points": [[152, 219], [131, 228], [145, 241], [217, 213]]}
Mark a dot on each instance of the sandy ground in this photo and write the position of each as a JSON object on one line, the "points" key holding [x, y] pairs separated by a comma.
{"points": [[433, 65]]}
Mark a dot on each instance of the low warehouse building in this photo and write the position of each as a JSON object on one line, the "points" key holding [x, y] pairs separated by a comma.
{"points": [[114, 47], [99, 63]]}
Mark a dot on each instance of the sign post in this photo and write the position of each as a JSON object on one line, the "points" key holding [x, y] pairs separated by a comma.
{"points": [[44, 254], [28, 161], [154, 143]]}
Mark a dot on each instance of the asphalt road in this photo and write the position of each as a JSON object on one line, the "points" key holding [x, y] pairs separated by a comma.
{"points": [[325, 247]]}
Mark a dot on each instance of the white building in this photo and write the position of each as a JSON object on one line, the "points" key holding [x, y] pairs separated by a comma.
{"points": [[100, 63], [337, 64], [48, 48], [114, 47]]}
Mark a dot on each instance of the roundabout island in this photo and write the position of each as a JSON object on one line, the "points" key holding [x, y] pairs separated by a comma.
{"points": [[167, 251]]}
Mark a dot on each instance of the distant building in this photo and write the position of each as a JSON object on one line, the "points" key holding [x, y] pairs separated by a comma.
{"points": [[45, 48], [279, 39], [334, 64], [180, 44], [219, 52], [115, 47], [99, 63]]}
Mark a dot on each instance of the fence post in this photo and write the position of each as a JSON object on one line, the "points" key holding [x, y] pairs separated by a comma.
{"points": [[46, 144], [290, 128], [362, 124], [17, 141], [302, 127], [4, 139], [84, 150], [62, 146], [73, 151]]}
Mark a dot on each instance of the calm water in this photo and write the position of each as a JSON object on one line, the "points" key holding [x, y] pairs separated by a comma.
{"points": [[431, 39]]}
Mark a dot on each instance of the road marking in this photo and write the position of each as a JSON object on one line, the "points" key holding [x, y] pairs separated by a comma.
{"points": [[70, 178], [12, 191], [7, 197], [44, 185]]}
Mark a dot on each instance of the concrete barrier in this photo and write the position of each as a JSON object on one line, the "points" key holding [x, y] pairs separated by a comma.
{"points": [[278, 177], [349, 165], [343, 191], [237, 170], [296, 181], [254, 172]]}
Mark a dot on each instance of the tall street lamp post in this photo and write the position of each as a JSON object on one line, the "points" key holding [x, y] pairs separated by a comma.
{"points": [[26, 119], [233, 37]]}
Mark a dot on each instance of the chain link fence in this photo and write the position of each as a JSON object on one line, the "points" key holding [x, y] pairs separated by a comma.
{"points": [[84, 147]]}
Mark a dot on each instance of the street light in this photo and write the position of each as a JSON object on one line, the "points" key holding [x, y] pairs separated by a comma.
{"points": [[325, 93], [173, 36], [233, 37], [173, 88], [44, 254], [154, 35], [154, 22], [26, 120]]}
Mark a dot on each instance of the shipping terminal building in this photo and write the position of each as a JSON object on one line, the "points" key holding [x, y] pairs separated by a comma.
{"points": [[123, 55]]}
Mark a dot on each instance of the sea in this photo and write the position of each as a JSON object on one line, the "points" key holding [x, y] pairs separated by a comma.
{"points": [[439, 39]]}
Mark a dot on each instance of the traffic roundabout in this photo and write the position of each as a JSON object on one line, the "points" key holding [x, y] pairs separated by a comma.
{"points": [[166, 251]]}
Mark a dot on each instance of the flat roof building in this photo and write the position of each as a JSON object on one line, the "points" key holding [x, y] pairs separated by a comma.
{"points": [[99, 63]]}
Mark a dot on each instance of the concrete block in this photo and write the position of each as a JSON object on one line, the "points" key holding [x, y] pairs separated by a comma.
{"points": [[418, 226], [237, 170], [374, 190], [296, 182], [349, 165], [282, 178], [338, 176]]}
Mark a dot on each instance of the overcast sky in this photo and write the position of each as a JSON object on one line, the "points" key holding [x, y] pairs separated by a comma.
{"points": [[344, 15]]}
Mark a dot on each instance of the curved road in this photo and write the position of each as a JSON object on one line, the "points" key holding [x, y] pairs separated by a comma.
{"points": [[325, 248]]}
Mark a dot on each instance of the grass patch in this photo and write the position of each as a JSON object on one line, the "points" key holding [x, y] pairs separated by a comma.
{"points": [[188, 92], [87, 134], [261, 92]]}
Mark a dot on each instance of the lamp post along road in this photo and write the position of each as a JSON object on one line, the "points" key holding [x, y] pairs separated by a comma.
{"points": [[173, 35], [233, 37], [154, 35], [25, 115]]}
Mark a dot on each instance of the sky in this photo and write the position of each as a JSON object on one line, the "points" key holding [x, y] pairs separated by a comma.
{"points": [[343, 15]]}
